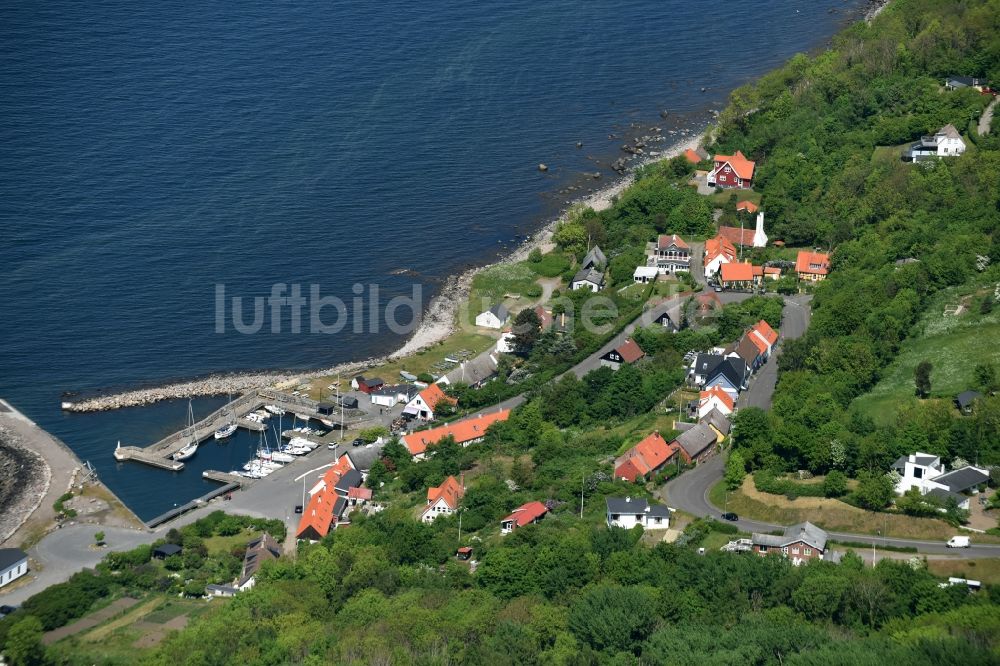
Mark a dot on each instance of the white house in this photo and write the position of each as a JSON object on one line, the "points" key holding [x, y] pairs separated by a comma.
{"points": [[946, 142], [645, 274], [916, 471], [719, 250], [715, 398], [443, 500], [626, 512], [385, 396], [495, 317], [427, 401], [588, 278], [13, 565]]}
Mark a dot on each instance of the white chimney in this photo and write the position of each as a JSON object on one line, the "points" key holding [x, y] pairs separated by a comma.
{"points": [[759, 237], [628, 499]]}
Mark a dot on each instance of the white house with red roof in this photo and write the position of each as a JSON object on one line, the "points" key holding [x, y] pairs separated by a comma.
{"points": [[764, 337], [443, 500], [428, 400], [719, 250], [732, 171], [526, 514], [715, 398], [671, 254]]}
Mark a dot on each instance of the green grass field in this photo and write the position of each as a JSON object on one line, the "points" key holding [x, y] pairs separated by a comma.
{"points": [[954, 345]]}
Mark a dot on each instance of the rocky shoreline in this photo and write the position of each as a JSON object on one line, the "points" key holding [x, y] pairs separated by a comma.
{"points": [[24, 480], [437, 322], [875, 8]]}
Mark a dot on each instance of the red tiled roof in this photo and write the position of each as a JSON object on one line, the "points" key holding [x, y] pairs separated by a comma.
{"points": [[544, 317], [526, 513], [734, 272], [737, 236], [359, 493], [433, 395], [741, 165], [665, 241], [463, 431], [719, 245], [748, 206], [717, 392], [317, 516], [451, 491], [758, 271], [630, 351], [464, 549], [692, 156], [644, 457], [815, 263], [772, 270], [766, 331]]}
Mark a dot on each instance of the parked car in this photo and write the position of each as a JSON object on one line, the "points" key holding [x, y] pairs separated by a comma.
{"points": [[332, 447], [719, 289], [958, 542], [358, 442], [729, 515], [298, 508]]}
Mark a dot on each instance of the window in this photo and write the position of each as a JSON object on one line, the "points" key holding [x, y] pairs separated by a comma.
{"points": [[784, 550], [918, 473], [795, 551], [615, 516], [762, 549], [808, 551]]}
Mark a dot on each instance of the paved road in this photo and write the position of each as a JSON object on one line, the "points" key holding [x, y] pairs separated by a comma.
{"points": [[68, 550], [689, 492], [794, 322]]}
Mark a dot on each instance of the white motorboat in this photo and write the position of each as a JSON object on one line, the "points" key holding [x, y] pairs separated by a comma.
{"points": [[274, 409], [279, 456], [225, 431], [254, 416], [263, 413], [191, 448]]}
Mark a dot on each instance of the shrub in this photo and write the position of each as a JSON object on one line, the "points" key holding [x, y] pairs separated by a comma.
{"points": [[766, 481], [835, 484]]}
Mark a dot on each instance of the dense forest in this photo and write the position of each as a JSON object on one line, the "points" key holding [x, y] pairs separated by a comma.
{"points": [[389, 590]]}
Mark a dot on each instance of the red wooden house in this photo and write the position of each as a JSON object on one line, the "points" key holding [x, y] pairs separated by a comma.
{"points": [[732, 171]]}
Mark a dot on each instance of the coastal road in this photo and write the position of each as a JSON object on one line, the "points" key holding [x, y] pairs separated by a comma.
{"points": [[689, 492]]}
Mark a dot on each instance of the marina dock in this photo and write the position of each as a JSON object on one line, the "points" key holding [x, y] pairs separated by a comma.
{"points": [[160, 453]]}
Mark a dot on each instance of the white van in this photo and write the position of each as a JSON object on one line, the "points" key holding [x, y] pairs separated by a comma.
{"points": [[958, 542]]}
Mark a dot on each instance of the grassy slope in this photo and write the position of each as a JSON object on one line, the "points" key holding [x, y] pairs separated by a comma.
{"points": [[953, 344]]}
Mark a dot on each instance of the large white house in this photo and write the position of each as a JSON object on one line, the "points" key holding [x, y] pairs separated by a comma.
{"points": [[443, 500], [946, 142], [13, 565], [927, 474], [626, 512]]}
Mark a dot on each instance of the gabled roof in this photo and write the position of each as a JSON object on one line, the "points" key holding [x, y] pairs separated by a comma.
{"points": [[943, 496], [317, 516], [474, 371], [627, 505], [718, 393], [433, 396], [763, 336], [168, 549], [692, 156], [922, 459], [348, 480], [696, 440], [949, 131], [718, 420], [737, 236], [665, 241], [465, 430], [735, 272], [720, 245], [740, 164], [362, 457], [815, 263], [962, 479], [749, 349], [645, 457], [500, 310], [705, 364], [259, 550], [733, 369], [590, 275], [748, 206], [630, 351], [594, 258], [526, 513], [450, 491], [772, 270], [544, 317], [805, 532]]}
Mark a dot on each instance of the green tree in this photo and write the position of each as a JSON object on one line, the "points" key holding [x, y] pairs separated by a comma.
{"points": [[986, 377], [526, 329], [820, 595], [99, 538], [24, 642], [613, 618], [874, 490], [922, 378], [736, 470], [835, 484]]}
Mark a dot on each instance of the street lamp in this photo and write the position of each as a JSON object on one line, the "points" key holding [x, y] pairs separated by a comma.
{"points": [[878, 533]]}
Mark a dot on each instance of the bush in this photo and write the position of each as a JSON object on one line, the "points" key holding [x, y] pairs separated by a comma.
{"points": [[766, 481], [534, 291], [835, 484]]}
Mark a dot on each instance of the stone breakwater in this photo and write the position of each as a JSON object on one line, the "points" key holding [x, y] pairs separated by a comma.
{"points": [[24, 480]]}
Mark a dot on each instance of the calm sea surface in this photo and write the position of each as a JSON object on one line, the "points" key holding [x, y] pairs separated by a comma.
{"points": [[150, 151]]}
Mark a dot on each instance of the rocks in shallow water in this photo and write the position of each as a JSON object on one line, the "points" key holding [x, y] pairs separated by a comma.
{"points": [[664, 113], [579, 144], [543, 167], [596, 175]]}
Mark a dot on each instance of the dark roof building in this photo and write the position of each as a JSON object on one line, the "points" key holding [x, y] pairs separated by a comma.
{"points": [[966, 399], [963, 479], [696, 443], [594, 259], [259, 550], [166, 550]]}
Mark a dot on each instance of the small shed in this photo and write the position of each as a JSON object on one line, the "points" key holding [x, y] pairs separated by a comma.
{"points": [[464, 553], [166, 550], [326, 408], [966, 399], [349, 402]]}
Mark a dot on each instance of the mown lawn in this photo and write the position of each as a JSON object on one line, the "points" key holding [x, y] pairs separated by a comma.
{"points": [[987, 571], [721, 199]]}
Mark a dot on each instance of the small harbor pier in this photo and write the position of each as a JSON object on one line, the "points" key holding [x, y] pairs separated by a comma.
{"points": [[160, 453]]}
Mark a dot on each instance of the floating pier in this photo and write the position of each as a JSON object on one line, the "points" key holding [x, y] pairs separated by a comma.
{"points": [[193, 504]]}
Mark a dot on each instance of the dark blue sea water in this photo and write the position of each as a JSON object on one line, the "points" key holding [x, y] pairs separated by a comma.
{"points": [[150, 151]]}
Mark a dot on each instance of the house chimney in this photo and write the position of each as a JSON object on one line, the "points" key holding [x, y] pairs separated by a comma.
{"points": [[628, 499]]}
